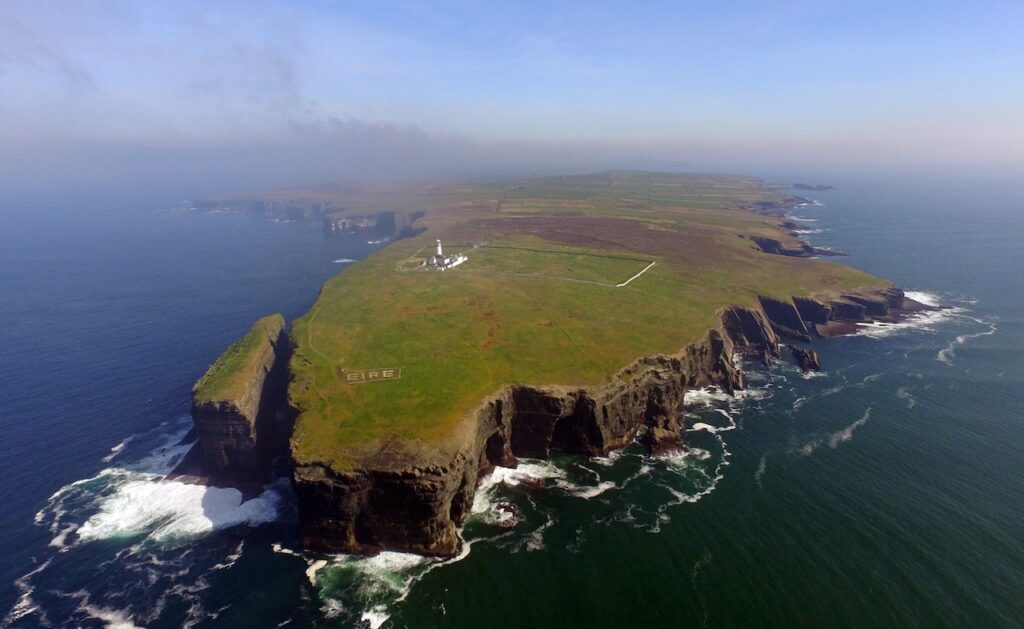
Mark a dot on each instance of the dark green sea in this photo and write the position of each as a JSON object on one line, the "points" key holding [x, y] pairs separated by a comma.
{"points": [[886, 491]]}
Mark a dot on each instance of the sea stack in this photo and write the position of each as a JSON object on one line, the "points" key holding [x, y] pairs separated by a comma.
{"points": [[236, 403]]}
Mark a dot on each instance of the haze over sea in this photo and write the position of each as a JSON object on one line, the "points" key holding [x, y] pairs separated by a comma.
{"points": [[885, 491]]}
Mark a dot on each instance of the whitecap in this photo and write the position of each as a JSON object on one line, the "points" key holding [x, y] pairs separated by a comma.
{"points": [[116, 450], [833, 440]]}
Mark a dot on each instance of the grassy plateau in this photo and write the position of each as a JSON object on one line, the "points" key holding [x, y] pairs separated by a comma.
{"points": [[536, 303], [228, 377]]}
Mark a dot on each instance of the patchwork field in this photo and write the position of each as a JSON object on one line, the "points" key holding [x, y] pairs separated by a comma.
{"points": [[538, 303]]}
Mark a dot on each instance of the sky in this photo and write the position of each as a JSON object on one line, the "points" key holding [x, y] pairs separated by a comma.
{"points": [[209, 96]]}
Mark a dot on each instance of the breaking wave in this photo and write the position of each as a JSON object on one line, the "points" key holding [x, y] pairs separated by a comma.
{"points": [[173, 510], [145, 517], [929, 321]]}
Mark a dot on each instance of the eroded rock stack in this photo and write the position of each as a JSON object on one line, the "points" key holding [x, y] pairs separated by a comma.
{"points": [[237, 419]]}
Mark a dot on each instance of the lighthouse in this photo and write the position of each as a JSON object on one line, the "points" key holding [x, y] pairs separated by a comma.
{"points": [[442, 263]]}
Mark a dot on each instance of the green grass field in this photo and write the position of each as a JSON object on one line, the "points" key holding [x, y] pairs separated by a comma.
{"points": [[504, 317], [529, 259], [500, 318], [228, 376]]}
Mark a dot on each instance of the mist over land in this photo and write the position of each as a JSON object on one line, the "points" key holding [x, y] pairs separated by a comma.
{"points": [[200, 99]]}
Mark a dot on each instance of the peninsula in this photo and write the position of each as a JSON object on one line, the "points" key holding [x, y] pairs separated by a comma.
{"points": [[585, 307]]}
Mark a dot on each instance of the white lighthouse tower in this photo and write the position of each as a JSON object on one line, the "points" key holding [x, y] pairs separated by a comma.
{"points": [[442, 263]]}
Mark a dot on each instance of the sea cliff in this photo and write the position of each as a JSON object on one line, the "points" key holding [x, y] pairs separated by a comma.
{"points": [[406, 498], [238, 406], [588, 307]]}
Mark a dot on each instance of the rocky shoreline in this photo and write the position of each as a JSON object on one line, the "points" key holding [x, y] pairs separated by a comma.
{"points": [[412, 499]]}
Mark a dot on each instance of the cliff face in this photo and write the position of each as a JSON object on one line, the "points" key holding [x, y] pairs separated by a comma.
{"points": [[404, 497], [415, 502], [238, 426]]}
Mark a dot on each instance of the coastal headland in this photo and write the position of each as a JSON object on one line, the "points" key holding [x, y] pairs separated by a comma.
{"points": [[587, 306]]}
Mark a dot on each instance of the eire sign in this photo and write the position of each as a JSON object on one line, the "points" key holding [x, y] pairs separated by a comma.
{"points": [[372, 375]]}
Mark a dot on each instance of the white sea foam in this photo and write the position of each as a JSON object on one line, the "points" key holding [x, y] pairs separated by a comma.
{"points": [[379, 581], [762, 467], [116, 450], [608, 460], [923, 297], [705, 427], [60, 541], [232, 558], [904, 394], [314, 567], [26, 605], [344, 261], [111, 618], [833, 440], [948, 353], [920, 321], [166, 509], [277, 548], [375, 617], [526, 470], [708, 396], [588, 492], [713, 396]]}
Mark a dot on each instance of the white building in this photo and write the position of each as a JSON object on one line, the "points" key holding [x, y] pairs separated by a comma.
{"points": [[441, 262]]}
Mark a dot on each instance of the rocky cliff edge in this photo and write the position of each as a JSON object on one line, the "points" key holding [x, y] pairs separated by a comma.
{"points": [[409, 496]]}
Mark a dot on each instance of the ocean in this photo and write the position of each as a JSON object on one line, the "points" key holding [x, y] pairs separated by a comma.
{"points": [[884, 490]]}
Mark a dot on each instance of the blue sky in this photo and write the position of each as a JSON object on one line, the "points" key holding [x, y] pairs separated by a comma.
{"points": [[708, 83]]}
